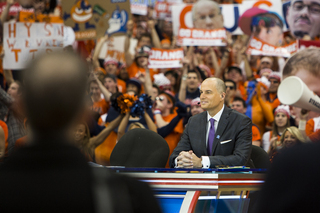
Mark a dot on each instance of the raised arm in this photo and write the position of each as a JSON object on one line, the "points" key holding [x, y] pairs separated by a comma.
{"points": [[127, 55], [123, 125], [104, 91], [151, 125], [96, 141], [154, 35], [5, 12], [97, 51], [145, 79], [183, 85]]}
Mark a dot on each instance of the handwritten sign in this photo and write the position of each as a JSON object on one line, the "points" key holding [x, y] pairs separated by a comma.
{"points": [[22, 42], [161, 58], [198, 37]]}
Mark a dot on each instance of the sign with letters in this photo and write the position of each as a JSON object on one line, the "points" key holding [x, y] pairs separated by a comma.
{"points": [[198, 37], [161, 58], [258, 47], [22, 42]]}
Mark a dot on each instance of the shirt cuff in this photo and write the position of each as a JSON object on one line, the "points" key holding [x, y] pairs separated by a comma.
{"points": [[205, 162], [176, 163]]}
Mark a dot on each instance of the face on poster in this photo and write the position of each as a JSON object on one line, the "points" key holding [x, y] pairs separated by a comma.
{"points": [[263, 24], [182, 14], [303, 18], [94, 18]]}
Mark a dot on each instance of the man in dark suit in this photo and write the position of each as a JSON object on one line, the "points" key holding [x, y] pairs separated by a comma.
{"points": [[49, 174], [230, 143]]}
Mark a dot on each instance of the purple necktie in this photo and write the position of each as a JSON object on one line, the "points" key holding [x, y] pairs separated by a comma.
{"points": [[211, 137]]}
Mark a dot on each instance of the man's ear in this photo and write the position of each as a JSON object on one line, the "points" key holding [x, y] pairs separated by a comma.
{"points": [[223, 95]]}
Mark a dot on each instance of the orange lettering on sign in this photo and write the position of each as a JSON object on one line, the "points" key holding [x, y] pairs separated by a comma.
{"points": [[257, 4], [14, 30], [33, 51], [183, 13], [28, 25], [39, 42], [16, 51], [10, 45], [27, 43], [47, 30]]}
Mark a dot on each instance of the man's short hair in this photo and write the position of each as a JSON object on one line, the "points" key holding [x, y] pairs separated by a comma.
{"points": [[307, 59], [200, 2], [231, 81], [146, 35], [234, 68], [220, 85], [194, 71], [54, 91], [241, 100]]}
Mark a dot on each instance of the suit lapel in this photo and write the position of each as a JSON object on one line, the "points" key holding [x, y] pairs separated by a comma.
{"points": [[203, 129], [223, 123]]}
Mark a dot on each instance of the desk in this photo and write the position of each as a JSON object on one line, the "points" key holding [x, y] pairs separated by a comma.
{"points": [[167, 182]]}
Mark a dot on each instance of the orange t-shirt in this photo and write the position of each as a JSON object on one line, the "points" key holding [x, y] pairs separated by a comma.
{"points": [[101, 106], [104, 150], [311, 132], [134, 69], [242, 90], [275, 103], [121, 85], [174, 137], [256, 136]]}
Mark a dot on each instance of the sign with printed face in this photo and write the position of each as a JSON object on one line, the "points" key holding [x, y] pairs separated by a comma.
{"points": [[161, 58], [92, 19], [197, 16], [22, 42]]}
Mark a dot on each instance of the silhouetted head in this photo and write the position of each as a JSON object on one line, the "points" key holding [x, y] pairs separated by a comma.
{"points": [[54, 92]]}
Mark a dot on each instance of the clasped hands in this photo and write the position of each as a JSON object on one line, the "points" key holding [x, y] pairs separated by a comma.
{"points": [[188, 160]]}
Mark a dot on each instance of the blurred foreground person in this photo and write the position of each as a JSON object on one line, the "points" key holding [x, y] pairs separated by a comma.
{"points": [[49, 174], [294, 176]]}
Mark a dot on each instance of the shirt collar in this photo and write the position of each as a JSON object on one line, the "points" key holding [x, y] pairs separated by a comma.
{"points": [[217, 116]]}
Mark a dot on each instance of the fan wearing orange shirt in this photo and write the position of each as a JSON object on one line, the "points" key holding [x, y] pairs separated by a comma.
{"points": [[164, 112], [99, 104], [272, 97], [140, 61], [111, 66], [234, 73]]}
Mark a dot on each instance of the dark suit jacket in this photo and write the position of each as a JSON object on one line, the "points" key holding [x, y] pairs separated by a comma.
{"points": [[55, 177], [232, 143]]}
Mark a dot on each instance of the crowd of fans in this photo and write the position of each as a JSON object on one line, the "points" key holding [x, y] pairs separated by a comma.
{"points": [[251, 81]]}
